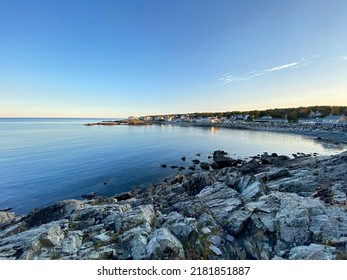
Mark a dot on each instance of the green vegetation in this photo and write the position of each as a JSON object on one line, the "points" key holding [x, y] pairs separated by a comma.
{"points": [[98, 244]]}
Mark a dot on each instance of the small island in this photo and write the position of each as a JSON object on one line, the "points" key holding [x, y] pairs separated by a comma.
{"points": [[129, 121]]}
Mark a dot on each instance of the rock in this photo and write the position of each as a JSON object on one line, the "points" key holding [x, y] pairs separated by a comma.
{"points": [[343, 156], [313, 252], [72, 243], [207, 221], [6, 217], [163, 165], [103, 237], [205, 166], [90, 195], [27, 245], [190, 207], [236, 221], [222, 161], [221, 201], [215, 240], [196, 161], [164, 246], [230, 238], [123, 196], [179, 178], [249, 188], [277, 173], [227, 213], [137, 216], [205, 230], [183, 158], [301, 186], [136, 240], [184, 228], [83, 224], [219, 153], [197, 182], [215, 250], [52, 237], [302, 181], [57, 211], [192, 167]]}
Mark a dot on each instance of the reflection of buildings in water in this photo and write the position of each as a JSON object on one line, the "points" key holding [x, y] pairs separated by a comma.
{"points": [[213, 130]]}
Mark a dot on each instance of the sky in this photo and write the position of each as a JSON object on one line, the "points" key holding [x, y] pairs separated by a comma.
{"points": [[114, 58]]}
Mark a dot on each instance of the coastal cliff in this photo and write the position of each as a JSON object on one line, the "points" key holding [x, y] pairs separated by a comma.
{"points": [[269, 207]]}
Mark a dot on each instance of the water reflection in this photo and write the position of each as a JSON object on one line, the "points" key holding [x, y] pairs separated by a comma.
{"points": [[213, 130]]}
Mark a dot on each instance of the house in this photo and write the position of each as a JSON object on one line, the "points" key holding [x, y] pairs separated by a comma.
{"points": [[169, 118], [159, 118], [132, 118], [334, 120], [185, 118], [146, 118], [214, 120]]}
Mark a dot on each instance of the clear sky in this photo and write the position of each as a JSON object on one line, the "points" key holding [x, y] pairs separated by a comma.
{"points": [[84, 58]]}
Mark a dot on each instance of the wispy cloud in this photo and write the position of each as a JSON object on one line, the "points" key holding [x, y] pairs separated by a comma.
{"points": [[282, 67], [230, 78], [344, 57]]}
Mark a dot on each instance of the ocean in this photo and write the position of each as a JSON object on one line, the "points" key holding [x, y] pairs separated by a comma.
{"points": [[46, 160]]}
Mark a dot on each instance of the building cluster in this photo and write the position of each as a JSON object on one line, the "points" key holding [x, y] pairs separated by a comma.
{"points": [[315, 118]]}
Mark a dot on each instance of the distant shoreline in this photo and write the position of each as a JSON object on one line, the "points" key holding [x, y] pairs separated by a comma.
{"points": [[326, 133], [320, 135]]}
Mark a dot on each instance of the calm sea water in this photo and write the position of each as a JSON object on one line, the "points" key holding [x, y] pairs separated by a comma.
{"points": [[46, 160]]}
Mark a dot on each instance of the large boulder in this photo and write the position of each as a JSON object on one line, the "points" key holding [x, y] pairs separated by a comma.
{"points": [[55, 212], [282, 221], [136, 216], [6, 217], [313, 252], [163, 245], [222, 161], [221, 200], [135, 240], [249, 188], [277, 173], [197, 182], [28, 244]]}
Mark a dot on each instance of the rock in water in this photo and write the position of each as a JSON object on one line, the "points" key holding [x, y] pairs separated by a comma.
{"points": [[205, 166], [90, 195]]}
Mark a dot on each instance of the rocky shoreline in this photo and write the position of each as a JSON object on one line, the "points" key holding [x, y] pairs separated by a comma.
{"points": [[269, 207]]}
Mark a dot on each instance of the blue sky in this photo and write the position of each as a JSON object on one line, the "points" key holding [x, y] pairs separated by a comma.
{"points": [[118, 58]]}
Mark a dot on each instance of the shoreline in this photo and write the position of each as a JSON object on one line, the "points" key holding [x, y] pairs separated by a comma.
{"points": [[219, 210], [338, 137]]}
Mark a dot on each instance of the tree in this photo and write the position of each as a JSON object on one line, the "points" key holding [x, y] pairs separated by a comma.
{"points": [[292, 116]]}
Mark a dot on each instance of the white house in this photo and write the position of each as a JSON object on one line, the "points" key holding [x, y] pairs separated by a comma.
{"points": [[132, 118], [168, 118]]}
